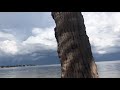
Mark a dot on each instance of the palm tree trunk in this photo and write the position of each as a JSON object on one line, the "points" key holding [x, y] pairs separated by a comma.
{"points": [[74, 49]]}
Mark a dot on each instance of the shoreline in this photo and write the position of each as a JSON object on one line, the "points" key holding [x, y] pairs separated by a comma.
{"points": [[52, 64], [16, 66]]}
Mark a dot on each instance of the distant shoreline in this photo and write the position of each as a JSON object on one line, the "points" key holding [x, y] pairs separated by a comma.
{"points": [[105, 61], [16, 66]]}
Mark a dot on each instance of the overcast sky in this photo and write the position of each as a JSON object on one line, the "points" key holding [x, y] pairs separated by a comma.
{"points": [[26, 32]]}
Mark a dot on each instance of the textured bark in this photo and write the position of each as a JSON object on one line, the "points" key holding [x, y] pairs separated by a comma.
{"points": [[74, 49]]}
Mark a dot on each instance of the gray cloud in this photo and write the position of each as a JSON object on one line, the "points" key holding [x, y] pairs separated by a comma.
{"points": [[41, 39], [20, 24], [103, 29]]}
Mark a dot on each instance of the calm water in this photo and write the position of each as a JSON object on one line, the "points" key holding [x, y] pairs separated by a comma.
{"points": [[106, 69]]}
